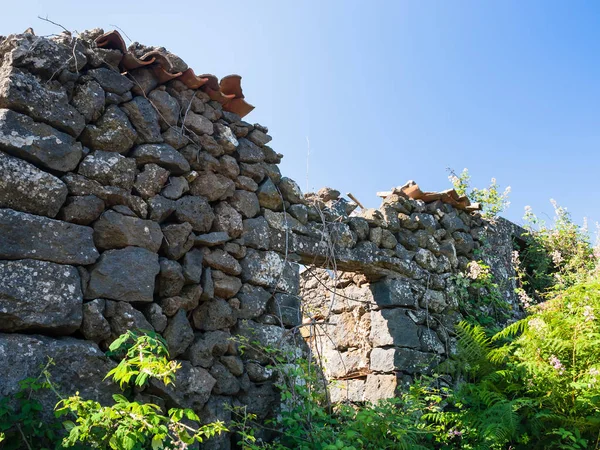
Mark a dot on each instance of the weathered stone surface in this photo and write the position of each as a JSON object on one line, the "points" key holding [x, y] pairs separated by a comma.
{"points": [[23, 93], [233, 363], [80, 185], [160, 208], [286, 308], [170, 278], [198, 123], [403, 359], [24, 187], [89, 100], [42, 56], [196, 211], [81, 210], [451, 222], [426, 259], [111, 80], [123, 317], [291, 191], [393, 327], [178, 240], [209, 144], [253, 301], [208, 345], [228, 166], [268, 269], [154, 314], [212, 186], [178, 334], [265, 335], [38, 143], [227, 384], [257, 233], [249, 152], [213, 315], [167, 107], [162, 154], [228, 220], [259, 138], [79, 366], [434, 301], [175, 138], [151, 180], [39, 296], [221, 260], [245, 183], [94, 326], [192, 266], [226, 286], [378, 387], [126, 275], [112, 132], [144, 119], [24, 236], [395, 292], [464, 243], [269, 197], [191, 389], [176, 187], [225, 138], [109, 168], [212, 239], [114, 230], [246, 203]]}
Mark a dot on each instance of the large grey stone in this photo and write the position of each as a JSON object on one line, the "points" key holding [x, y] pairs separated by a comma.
{"points": [[228, 220], [144, 119], [111, 80], [23, 93], [123, 317], [109, 168], [257, 233], [196, 211], [253, 301], [24, 236], [39, 296], [162, 154], [395, 292], [38, 143], [167, 107], [179, 239], [126, 275], [213, 315], [94, 326], [402, 359], [191, 389], [178, 334], [89, 100], [114, 230], [79, 366], [112, 132], [81, 209], [26, 188], [212, 186], [393, 327], [269, 269]]}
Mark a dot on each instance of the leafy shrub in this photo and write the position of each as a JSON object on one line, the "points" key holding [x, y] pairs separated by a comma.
{"points": [[125, 425], [492, 201], [556, 257]]}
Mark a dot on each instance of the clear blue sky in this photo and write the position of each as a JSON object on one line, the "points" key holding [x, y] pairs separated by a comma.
{"points": [[396, 90]]}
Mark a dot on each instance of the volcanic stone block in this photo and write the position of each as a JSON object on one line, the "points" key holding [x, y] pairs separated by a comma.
{"points": [[114, 230], [24, 236], [112, 132], [394, 292], [22, 92], [26, 188], [79, 366], [39, 296], [393, 327], [268, 269], [109, 168], [38, 143], [162, 154], [126, 275]]}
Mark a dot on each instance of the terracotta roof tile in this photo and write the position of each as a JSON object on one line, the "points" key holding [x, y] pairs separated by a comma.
{"points": [[227, 92]]}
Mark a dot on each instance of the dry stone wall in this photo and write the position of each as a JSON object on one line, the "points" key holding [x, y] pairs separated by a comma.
{"points": [[131, 202]]}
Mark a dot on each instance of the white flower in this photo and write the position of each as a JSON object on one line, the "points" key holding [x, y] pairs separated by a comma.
{"points": [[556, 257], [588, 313]]}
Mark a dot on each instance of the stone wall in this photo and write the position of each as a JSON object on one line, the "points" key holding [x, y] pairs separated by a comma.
{"points": [[137, 201]]}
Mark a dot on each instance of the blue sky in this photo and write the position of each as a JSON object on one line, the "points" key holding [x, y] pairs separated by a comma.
{"points": [[396, 90]]}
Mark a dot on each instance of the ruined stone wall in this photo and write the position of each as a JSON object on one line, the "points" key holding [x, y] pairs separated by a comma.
{"points": [[133, 199]]}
